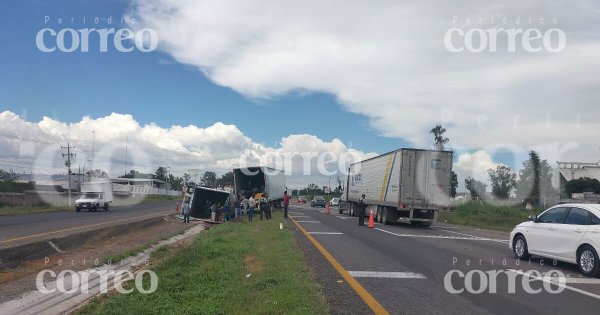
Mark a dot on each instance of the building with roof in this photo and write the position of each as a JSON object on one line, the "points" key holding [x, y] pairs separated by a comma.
{"points": [[574, 170]]}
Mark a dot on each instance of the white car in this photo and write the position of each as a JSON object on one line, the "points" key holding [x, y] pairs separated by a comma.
{"points": [[334, 202], [567, 232]]}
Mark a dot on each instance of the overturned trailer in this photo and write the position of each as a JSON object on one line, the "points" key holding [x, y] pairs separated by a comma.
{"points": [[249, 181], [201, 198]]}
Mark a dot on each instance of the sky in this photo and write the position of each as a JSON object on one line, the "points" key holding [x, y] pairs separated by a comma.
{"points": [[231, 79]]}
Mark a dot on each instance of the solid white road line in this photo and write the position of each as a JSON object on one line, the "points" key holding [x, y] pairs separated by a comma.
{"points": [[343, 218], [325, 233], [308, 221], [441, 236], [548, 280], [299, 216], [386, 274], [464, 234]]}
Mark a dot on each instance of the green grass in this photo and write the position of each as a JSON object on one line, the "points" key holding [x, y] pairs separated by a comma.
{"points": [[209, 276], [486, 215]]}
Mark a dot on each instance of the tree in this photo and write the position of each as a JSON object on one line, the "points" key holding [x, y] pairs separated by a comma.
{"points": [[581, 185], [439, 141], [453, 184], [8, 176], [227, 178], [161, 173], [475, 188], [136, 174], [535, 180], [97, 173], [503, 180], [210, 179]]}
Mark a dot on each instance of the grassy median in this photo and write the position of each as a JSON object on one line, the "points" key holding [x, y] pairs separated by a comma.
{"points": [[233, 268], [487, 215]]}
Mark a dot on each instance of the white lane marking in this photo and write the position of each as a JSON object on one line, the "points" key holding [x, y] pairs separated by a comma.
{"points": [[441, 236], [549, 280], [325, 233], [299, 216], [308, 221], [464, 234], [386, 274], [58, 250], [343, 218]]}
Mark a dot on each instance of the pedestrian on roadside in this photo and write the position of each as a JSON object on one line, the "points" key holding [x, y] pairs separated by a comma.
{"points": [[286, 203], [213, 212], [251, 206], [186, 212], [237, 206], [245, 205], [362, 206], [226, 212], [219, 211]]}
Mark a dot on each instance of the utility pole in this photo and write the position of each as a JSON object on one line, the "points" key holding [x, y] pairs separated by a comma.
{"points": [[93, 140], [68, 165]]}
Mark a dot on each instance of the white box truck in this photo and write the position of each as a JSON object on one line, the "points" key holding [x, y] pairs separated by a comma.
{"points": [[252, 180], [95, 195], [406, 185]]}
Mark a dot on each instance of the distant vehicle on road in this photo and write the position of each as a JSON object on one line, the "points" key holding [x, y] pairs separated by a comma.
{"points": [[318, 201], [301, 199], [566, 232], [408, 185], [334, 202], [95, 195]]}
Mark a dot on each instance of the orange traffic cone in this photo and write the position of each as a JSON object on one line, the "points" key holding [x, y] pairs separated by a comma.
{"points": [[327, 209], [371, 220]]}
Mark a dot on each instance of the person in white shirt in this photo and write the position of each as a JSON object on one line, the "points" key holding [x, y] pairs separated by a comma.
{"points": [[251, 206]]}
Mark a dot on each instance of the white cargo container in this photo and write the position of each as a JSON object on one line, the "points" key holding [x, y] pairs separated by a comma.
{"points": [[408, 185], [260, 179]]}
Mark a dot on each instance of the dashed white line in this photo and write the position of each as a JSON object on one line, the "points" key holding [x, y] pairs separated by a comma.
{"points": [[343, 218], [386, 274], [308, 221], [325, 233]]}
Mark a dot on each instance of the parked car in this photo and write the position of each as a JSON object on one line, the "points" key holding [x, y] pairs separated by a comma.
{"points": [[334, 202], [567, 232], [318, 201], [301, 199]]}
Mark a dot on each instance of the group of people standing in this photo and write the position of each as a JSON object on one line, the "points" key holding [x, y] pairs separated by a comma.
{"points": [[241, 206]]}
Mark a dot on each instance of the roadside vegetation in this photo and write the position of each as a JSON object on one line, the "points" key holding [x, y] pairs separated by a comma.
{"points": [[233, 268], [487, 215]]}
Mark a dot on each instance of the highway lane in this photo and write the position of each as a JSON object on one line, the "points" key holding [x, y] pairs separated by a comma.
{"points": [[404, 268], [22, 229]]}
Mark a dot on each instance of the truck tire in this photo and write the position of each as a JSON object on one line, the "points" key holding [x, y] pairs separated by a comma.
{"points": [[340, 210], [385, 216], [378, 215], [106, 207], [351, 209]]}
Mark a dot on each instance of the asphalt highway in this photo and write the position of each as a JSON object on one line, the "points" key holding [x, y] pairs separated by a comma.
{"points": [[404, 269], [22, 229]]}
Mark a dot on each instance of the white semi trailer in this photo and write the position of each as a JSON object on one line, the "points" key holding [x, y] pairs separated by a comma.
{"points": [[406, 185]]}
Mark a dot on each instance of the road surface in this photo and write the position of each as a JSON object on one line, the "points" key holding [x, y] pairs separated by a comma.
{"points": [[404, 269], [22, 229]]}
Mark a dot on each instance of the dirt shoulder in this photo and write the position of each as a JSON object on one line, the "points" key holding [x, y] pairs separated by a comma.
{"points": [[19, 265]]}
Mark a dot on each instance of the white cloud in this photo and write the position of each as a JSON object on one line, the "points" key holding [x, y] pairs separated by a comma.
{"points": [[473, 165], [218, 147], [386, 60]]}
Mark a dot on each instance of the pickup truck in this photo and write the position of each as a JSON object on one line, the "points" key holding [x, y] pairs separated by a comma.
{"points": [[96, 195]]}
